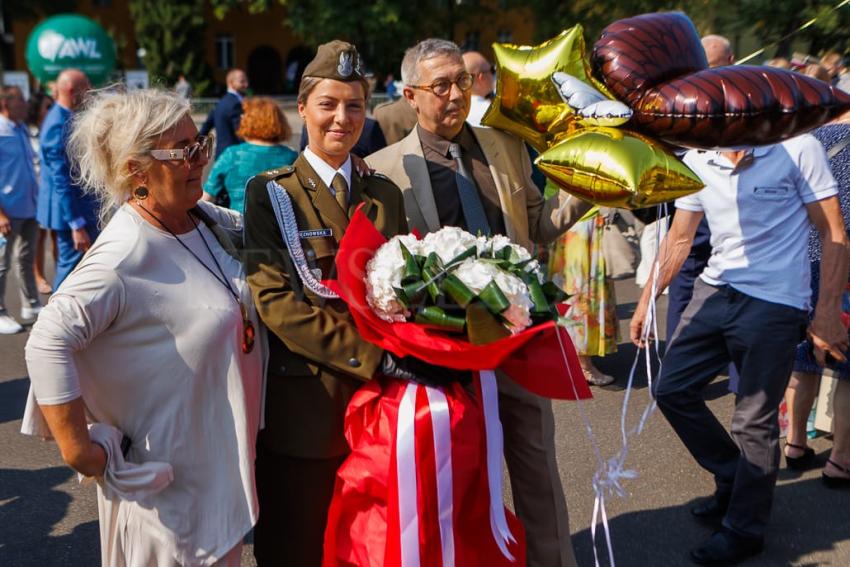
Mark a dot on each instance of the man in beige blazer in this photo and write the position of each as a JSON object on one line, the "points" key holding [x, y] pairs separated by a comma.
{"points": [[452, 174]]}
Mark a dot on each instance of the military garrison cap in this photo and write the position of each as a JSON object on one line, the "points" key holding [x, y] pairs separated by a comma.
{"points": [[336, 60]]}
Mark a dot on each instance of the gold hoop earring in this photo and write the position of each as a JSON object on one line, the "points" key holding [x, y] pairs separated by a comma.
{"points": [[140, 193]]}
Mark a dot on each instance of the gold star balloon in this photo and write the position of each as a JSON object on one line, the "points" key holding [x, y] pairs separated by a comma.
{"points": [[617, 168], [527, 102]]}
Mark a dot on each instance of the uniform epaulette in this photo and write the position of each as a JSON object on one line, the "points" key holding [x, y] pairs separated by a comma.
{"points": [[279, 172], [270, 175]]}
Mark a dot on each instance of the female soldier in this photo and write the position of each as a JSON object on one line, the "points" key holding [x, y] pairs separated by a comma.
{"points": [[295, 217]]}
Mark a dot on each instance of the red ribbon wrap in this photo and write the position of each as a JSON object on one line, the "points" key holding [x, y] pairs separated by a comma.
{"points": [[363, 524]]}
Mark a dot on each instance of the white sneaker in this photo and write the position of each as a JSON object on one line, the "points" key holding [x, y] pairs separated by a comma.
{"points": [[30, 312], [9, 326]]}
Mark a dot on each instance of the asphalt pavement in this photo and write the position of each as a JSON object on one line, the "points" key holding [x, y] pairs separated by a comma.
{"points": [[47, 518]]}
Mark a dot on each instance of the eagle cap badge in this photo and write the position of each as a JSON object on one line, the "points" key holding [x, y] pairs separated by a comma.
{"points": [[346, 65]]}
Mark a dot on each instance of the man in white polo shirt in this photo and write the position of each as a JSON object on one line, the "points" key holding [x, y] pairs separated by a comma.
{"points": [[750, 308]]}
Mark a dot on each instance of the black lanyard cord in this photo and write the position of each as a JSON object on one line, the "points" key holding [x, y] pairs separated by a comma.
{"points": [[223, 278]]}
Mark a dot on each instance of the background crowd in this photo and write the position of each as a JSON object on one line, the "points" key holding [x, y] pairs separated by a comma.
{"points": [[44, 200]]}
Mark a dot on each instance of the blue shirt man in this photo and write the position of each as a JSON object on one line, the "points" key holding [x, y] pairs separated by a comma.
{"points": [[64, 206], [18, 188]]}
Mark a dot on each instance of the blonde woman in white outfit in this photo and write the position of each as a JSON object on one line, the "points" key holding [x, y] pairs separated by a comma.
{"points": [[143, 362]]}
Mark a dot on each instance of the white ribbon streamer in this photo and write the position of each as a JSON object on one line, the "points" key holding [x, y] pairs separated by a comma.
{"points": [[493, 429], [406, 473], [611, 472], [442, 425]]}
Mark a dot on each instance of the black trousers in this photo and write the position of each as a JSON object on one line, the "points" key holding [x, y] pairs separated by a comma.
{"points": [[719, 326], [294, 496]]}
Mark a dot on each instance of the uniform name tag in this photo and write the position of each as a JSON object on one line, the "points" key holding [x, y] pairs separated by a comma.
{"points": [[321, 233]]}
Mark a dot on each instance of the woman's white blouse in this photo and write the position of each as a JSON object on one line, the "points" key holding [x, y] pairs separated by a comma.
{"points": [[152, 342]]}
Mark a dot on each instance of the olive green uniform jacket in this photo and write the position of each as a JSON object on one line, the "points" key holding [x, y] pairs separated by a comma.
{"points": [[317, 359]]}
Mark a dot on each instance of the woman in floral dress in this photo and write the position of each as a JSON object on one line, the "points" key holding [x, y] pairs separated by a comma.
{"points": [[577, 265]]}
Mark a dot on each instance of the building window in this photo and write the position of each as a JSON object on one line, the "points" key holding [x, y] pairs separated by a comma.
{"points": [[471, 41], [224, 51], [505, 36]]}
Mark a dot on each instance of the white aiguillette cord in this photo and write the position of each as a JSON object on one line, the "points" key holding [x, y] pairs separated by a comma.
{"points": [[607, 481]]}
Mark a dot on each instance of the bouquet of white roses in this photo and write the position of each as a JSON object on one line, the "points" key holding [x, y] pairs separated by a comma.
{"points": [[486, 287]]}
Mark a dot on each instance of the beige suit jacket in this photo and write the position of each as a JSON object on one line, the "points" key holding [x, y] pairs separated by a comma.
{"points": [[528, 217]]}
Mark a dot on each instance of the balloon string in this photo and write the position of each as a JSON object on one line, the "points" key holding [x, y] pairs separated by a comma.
{"points": [[607, 480], [806, 25]]}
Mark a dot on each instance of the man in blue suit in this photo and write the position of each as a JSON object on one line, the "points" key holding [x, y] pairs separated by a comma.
{"points": [[225, 117], [63, 206]]}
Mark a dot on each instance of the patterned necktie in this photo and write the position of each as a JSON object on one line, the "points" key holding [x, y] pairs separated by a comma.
{"points": [[340, 188], [470, 200]]}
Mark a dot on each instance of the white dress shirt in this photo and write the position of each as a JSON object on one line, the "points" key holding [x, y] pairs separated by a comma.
{"points": [[326, 172]]}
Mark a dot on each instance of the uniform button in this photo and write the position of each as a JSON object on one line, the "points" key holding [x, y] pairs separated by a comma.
{"points": [[354, 363], [282, 369]]}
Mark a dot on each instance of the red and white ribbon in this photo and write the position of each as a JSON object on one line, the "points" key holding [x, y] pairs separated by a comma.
{"points": [[406, 469], [442, 425], [493, 429]]}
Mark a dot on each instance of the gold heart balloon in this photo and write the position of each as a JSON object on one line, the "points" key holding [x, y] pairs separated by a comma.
{"points": [[527, 102], [617, 168]]}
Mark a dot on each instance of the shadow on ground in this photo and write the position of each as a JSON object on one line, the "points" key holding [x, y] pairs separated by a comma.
{"points": [[624, 358], [17, 390], [30, 508], [666, 535]]}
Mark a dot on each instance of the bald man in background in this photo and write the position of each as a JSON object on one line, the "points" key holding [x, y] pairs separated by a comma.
{"points": [[63, 206], [719, 53], [225, 117], [483, 84]]}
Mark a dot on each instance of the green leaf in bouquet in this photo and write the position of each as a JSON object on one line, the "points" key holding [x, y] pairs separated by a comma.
{"points": [[436, 317], [468, 253], [494, 298], [554, 293], [412, 272], [413, 292], [482, 326], [433, 263], [432, 271], [538, 296], [402, 297], [457, 290]]}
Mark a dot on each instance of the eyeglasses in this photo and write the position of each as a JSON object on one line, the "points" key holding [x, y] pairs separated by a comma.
{"points": [[191, 154], [444, 86]]}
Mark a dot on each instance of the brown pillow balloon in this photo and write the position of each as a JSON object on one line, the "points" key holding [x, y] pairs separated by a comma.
{"points": [[634, 54], [655, 63], [733, 106]]}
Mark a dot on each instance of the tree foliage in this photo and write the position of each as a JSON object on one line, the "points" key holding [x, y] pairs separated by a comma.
{"points": [[172, 35], [767, 21], [381, 29]]}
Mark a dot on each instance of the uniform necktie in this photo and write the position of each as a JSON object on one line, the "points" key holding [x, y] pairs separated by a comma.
{"points": [[470, 200], [340, 188]]}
